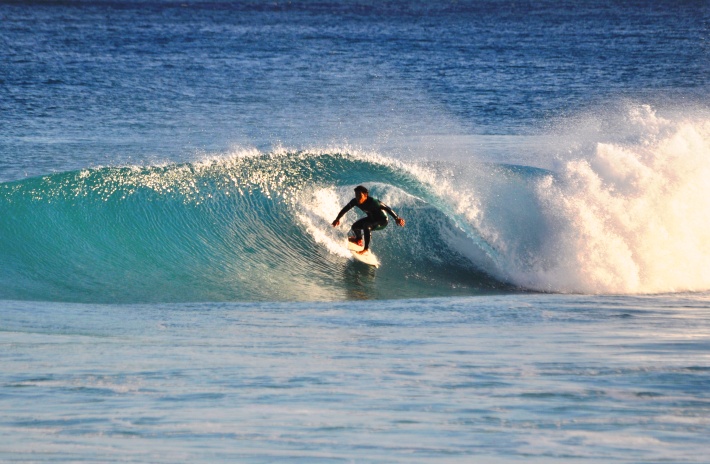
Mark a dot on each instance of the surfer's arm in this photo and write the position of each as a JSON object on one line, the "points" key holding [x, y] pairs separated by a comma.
{"points": [[342, 212], [388, 210]]}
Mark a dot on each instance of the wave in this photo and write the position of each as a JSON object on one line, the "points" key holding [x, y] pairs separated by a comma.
{"points": [[250, 226], [622, 216]]}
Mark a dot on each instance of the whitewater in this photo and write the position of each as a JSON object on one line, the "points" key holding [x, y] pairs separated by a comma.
{"points": [[172, 289]]}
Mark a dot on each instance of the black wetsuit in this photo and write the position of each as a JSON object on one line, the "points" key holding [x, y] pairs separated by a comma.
{"points": [[376, 218]]}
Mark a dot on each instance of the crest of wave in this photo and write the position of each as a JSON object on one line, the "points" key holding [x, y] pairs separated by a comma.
{"points": [[632, 215]]}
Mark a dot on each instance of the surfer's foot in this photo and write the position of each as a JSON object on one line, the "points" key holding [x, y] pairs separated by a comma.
{"points": [[362, 252], [355, 241]]}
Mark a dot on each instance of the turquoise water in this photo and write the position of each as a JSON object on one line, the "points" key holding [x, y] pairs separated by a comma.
{"points": [[231, 229], [171, 289]]}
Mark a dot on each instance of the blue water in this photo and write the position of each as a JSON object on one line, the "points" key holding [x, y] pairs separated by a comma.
{"points": [[171, 289]]}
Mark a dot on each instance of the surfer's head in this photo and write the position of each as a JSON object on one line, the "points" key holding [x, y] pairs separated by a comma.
{"points": [[361, 194]]}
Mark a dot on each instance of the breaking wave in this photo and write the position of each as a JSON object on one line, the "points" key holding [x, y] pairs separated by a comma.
{"points": [[627, 215]]}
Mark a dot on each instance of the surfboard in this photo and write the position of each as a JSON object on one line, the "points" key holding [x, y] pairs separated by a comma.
{"points": [[367, 257]]}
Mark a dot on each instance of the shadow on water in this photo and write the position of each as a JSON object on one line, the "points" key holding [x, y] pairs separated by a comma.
{"points": [[360, 280], [363, 282]]}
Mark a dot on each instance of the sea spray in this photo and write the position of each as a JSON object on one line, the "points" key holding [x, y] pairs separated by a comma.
{"points": [[631, 216]]}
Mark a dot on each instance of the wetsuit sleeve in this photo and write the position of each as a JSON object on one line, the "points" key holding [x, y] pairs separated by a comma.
{"points": [[346, 208], [389, 211]]}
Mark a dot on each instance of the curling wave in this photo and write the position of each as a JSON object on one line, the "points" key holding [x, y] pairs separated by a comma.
{"points": [[250, 226]]}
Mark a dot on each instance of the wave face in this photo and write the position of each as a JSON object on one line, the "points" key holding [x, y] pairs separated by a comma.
{"points": [[627, 215], [246, 227]]}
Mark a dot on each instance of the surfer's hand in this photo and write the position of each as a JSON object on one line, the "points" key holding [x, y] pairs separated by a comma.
{"points": [[336, 223], [400, 222]]}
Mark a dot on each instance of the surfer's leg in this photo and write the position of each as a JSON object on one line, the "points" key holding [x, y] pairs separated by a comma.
{"points": [[367, 239], [358, 227], [369, 227]]}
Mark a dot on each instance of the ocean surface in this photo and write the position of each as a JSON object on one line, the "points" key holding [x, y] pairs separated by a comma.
{"points": [[172, 290]]}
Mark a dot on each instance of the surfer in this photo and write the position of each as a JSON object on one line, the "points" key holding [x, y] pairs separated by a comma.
{"points": [[376, 218]]}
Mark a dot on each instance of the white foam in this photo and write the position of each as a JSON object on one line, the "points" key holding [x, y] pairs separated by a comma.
{"points": [[629, 217], [320, 207]]}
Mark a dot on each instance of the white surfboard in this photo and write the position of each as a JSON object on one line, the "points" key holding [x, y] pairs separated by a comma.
{"points": [[368, 257]]}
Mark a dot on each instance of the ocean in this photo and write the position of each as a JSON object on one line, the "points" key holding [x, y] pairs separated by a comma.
{"points": [[172, 289]]}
